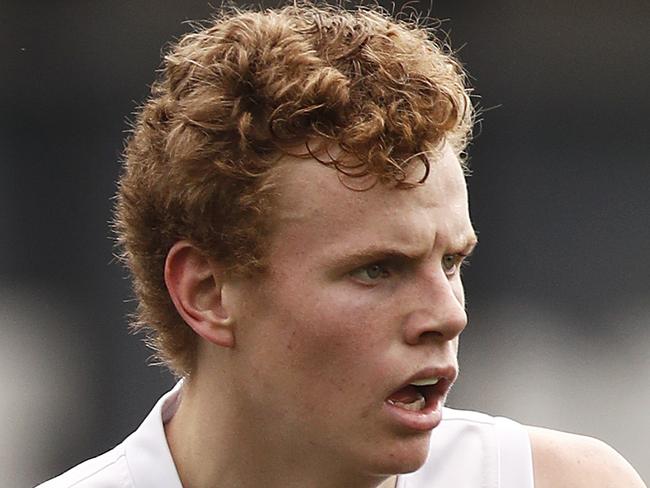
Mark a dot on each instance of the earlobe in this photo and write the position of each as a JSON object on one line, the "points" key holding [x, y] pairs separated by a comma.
{"points": [[195, 286]]}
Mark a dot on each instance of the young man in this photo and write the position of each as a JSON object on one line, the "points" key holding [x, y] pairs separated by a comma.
{"points": [[294, 213]]}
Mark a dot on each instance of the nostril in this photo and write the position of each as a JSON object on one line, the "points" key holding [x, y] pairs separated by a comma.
{"points": [[425, 336], [432, 335]]}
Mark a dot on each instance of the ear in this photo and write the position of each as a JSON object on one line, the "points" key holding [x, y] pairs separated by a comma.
{"points": [[194, 283]]}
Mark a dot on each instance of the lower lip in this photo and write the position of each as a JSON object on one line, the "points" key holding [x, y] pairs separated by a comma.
{"points": [[418, 420]]}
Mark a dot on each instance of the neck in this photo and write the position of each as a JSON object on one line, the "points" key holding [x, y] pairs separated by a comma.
{"points": [[213, 444]]}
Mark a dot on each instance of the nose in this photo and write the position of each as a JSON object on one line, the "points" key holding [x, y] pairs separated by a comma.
{"points": [[437, 310]]}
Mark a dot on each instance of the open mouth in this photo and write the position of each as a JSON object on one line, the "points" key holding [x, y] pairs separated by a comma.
{"points": [[420, 395]]}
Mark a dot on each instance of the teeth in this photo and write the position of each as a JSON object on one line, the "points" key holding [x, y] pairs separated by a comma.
{"points": [[426, 381], [415, 406]]}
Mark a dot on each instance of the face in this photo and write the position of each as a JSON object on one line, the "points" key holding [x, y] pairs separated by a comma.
{"points": [[362, 298]]}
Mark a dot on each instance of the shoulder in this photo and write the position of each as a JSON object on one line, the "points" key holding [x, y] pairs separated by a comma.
{"points": [[561, 459], [108, 470]]}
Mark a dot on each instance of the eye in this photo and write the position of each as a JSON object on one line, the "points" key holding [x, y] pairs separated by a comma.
{"points": [[371, 274], [451, 263]]}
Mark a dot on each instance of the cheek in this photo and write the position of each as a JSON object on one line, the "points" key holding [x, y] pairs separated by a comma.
{"points": [[335, 330], [330, 323]]}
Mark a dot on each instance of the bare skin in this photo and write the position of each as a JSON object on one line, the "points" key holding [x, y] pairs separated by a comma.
{"points": [[363, 292], [572, 461], [294, 368]]}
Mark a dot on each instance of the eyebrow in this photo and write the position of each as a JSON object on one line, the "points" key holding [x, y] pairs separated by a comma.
{"points": [[381, 253], [372, 254]]}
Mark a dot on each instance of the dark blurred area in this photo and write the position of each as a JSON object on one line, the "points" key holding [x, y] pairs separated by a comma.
{"points": [[558, 290]]}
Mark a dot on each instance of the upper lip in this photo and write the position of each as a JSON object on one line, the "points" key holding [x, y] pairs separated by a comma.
{"points": [[447, 373]]}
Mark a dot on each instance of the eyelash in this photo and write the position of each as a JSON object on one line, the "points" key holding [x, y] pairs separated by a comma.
{"points": [[460, 261], [388, 268]]}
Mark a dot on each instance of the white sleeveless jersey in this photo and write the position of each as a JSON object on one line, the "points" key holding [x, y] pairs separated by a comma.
{"points": [[468, 450], [474, 450]]}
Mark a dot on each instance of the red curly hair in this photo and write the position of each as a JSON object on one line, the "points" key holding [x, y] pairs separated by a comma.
{"points": [[233, 96]]}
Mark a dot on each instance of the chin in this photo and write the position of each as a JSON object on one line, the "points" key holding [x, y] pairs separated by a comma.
{"points": [[402, 456]]}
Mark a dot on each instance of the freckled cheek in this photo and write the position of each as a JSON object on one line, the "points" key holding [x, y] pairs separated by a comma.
{"points": [[335, 346], [334, 336], [329, 335]]}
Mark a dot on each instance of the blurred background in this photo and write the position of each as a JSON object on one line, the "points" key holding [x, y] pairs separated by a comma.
{"points": [[558, 291]]}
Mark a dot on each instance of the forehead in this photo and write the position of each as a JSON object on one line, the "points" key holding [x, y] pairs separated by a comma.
{"points": [[315, 210]]}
